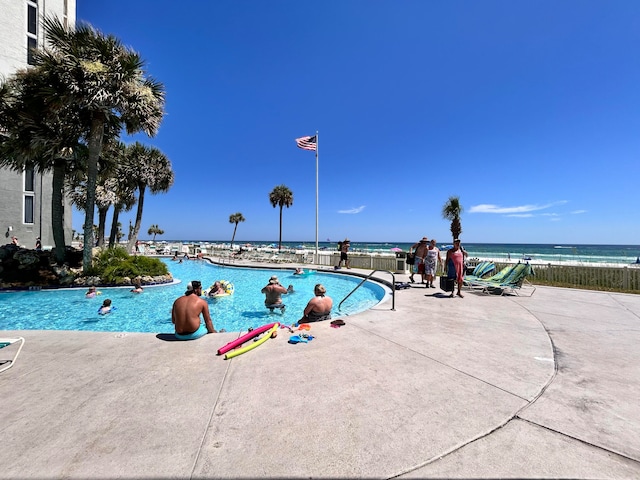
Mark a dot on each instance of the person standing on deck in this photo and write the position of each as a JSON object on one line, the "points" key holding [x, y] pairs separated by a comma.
{"points": [[344, 253], [457, 255], [431, 262], [420, 252]]}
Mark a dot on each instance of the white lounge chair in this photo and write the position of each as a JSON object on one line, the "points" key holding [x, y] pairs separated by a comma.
{"points": [[5, 342]]}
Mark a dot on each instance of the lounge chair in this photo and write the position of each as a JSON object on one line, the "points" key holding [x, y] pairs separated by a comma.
{"points": [[5, 342], [512, 281], [482, 270], [469, 280]]}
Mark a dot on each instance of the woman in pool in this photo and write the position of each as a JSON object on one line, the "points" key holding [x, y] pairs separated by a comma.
{"points": [[319, 307], [137, 286], [91, 292], [217, 289]]}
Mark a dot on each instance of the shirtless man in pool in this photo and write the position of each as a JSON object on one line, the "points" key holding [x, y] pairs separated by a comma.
{"points": [[186, 312]]}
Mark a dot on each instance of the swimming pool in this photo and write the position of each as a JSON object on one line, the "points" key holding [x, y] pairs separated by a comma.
{"points": [[68, 309]]}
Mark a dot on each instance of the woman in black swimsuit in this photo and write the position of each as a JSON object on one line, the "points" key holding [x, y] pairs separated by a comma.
{"points": [[319, 307]]}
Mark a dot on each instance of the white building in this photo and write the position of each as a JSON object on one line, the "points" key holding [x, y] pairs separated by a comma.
{"points": [[25, 197]]}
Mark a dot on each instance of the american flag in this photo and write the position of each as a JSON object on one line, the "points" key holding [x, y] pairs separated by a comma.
{"points": [[307, 143]]}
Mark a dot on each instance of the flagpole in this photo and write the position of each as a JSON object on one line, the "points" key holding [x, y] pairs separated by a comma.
{"points": [[317, 141]]}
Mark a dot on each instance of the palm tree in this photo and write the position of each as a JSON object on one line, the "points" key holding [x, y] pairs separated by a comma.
{"points": [[119, 233], [107, 185], [149, 167], [125, 197], [283, 197], [235, 218], [155, 230], [451, 211], [104, 82], [38, 137]]}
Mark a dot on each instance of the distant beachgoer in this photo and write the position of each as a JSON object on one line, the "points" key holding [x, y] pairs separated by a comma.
{"points": [[106, 307], [137, 246], [344, 253], [319, 307], [186, 312], [38, 244], [273, 292], [457, 255], [431, 262], [420, 252], [91, 292]]}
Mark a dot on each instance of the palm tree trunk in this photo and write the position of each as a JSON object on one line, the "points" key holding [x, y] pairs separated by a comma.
{"points": [[136, 228], [234, 235], [95, 147], [280, 240], [102, 220], [57, 210], [114, 226]]}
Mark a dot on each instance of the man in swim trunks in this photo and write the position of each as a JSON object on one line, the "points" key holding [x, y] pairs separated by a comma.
{"points": [[319, 307], [186, 312], [420, 251], [344, 254], [273, 294]]}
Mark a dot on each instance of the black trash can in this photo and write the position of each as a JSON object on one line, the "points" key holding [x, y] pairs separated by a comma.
{"points": [[401, 263]]}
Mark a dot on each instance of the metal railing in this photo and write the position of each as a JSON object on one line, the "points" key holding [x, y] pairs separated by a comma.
{"points": [[393, 288]]}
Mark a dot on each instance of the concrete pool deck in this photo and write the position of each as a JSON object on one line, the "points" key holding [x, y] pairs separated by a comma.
{"points": [[478, 387]]}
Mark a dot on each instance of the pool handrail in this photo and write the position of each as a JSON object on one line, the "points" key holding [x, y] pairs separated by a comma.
{"points": [[393, 288]]}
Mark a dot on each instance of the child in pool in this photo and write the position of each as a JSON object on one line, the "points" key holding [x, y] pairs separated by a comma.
{"points": [[91, 292], [106, 307]]}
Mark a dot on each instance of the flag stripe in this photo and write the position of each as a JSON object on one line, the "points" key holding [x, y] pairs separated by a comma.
{"points": [[307, 143]]}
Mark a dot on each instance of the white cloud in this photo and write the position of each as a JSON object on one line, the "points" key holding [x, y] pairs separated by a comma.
{"points": [[489, 208], [520, 215], [352, 210], [577, 212]]}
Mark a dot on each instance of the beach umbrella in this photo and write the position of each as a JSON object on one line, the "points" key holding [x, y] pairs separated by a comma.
{"points": [[396, 249]]}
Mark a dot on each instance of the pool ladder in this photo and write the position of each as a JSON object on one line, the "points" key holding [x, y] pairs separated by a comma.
{"points": [[393, 288]]}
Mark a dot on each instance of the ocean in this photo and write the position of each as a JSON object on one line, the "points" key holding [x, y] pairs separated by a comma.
{"points": [[533, 252]]}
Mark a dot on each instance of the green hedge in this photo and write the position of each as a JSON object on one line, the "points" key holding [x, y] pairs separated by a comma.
{"points": [[113, 264]]}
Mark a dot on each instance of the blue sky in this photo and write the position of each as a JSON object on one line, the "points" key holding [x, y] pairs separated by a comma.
{"points": [[529, 111]]}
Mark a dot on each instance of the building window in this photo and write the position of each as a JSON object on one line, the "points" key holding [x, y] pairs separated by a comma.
{"points": [[29, 179], [29, 197], [28, 208], [32, 29], [32, 19]]}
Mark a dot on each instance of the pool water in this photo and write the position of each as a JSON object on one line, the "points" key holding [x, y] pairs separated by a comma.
{"points": [[150, 311]]}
